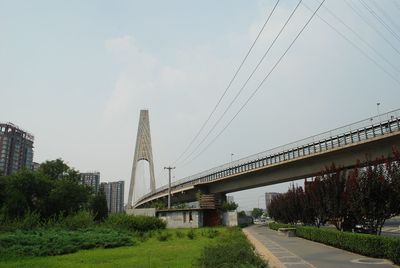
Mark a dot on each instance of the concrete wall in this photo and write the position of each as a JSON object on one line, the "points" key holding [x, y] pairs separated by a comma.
{"points": [[181, 219], [230, 218], [151, 212]]}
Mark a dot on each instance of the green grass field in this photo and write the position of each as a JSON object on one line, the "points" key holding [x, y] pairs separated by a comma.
{"points": [[175, 252]]}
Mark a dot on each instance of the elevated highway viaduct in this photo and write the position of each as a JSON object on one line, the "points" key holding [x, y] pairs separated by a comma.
{"points": [[303, 159]]}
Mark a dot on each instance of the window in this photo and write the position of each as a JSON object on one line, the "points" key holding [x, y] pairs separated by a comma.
{"points": [[184, 216], [190, 216]]}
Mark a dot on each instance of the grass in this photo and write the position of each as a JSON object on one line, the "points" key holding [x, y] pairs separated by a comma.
{"points": [[176, 251]]}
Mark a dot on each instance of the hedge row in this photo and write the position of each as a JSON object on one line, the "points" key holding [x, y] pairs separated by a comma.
{"points": [[364, 244], [275, 226], [134, 223]]}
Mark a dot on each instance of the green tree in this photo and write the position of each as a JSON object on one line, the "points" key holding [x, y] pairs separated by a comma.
{"points": [[25, 191], [67, 197], [98, 206], [229, 206], [257, 212], [57, 170]]}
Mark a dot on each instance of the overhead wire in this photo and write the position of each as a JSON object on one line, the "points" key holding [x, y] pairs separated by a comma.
{"points": [[229, 84], [359, 14], [387, 16], [245, 83], [355, 45], [263, 81], [381, 21]]}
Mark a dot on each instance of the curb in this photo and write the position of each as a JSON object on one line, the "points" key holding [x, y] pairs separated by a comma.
{"points": [[264, 253]]}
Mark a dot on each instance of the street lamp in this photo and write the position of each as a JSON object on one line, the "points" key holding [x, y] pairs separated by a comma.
{"points": [[377, 109]]}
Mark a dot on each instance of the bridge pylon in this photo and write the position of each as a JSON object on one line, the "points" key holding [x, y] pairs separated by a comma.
{"points": [[143, 151]]}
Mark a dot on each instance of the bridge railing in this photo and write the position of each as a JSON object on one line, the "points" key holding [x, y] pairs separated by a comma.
{"points": [[362, 130]]}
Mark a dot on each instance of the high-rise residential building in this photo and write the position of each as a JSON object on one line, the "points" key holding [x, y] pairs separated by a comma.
{"points": [[16, 149], [114, 192], [91, 179], [268, 198]]}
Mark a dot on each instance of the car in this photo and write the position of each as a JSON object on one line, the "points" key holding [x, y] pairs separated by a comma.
{"points": [[363, 229]]}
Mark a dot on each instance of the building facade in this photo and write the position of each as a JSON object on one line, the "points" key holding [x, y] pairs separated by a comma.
{"points": [[16, 149], [91, 179], [268, 198], [114, 192]]}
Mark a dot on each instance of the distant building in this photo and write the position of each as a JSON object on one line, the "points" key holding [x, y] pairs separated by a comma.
{"points": [[91, 179], [230, 199], [268, 198], [114, 192], [16, 149], [35, 166]]}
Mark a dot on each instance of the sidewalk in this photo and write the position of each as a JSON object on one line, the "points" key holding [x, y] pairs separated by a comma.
{"points": [[282, 251]]}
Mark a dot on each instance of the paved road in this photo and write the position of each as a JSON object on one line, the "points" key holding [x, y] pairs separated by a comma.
{"points": [[297, 252]]}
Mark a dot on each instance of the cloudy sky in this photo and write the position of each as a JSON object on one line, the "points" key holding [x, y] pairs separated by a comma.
{"points": [[77, 73]]}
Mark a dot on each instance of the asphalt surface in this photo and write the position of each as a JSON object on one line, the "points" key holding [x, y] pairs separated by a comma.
{"points": [[297, 252]]}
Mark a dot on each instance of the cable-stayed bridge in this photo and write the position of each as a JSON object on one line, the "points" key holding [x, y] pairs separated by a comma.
{"points": [[368, 139]]}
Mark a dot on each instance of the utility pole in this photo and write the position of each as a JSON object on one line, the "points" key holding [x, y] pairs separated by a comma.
{"points": [[169, 185]]}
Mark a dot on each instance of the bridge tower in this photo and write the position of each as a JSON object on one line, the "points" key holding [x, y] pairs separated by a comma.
{"points": [[143, 151]]}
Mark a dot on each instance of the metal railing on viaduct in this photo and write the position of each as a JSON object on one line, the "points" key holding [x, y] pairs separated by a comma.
{"points": [[372, 127]]}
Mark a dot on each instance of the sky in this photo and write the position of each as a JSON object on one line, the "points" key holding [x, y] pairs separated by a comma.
{"points": [[77, 73]]}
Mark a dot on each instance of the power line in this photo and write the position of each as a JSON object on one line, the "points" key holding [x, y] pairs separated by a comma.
{"points": [[386, 15], [262, 82], [245, 83], [370, 10], [230, 83], [358, 13], [356, 46]]}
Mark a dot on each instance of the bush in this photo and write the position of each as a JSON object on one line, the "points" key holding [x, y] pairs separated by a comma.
{"points": [[179, 234], [229, 206], [210, 233], [275, 226], [191, 234], [134, 223], [163, 236], [51, 242], [231, 250], [81, 220], [364, 244]]}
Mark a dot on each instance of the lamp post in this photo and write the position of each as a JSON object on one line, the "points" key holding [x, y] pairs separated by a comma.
{"points": [[377, 110]]}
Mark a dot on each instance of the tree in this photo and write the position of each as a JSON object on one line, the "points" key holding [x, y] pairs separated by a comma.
{"points": [[242, 214], [229, 206], [335, 196], [98, 206], [57, 170], [67, 197], [257, 212], [25, 191]]}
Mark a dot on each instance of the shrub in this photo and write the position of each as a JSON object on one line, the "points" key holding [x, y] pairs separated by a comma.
{"points": [[48, 242], [179, 234], [163, 236], [229, 206], [134, 223], [231, 250], [191, 234], [81, 220], [210, 233], [275, 226]]}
